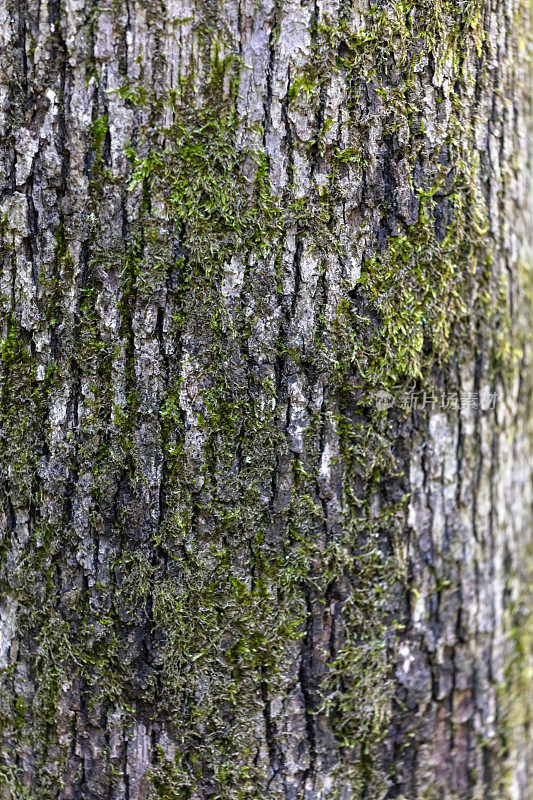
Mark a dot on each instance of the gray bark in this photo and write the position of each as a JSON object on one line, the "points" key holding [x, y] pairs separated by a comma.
{"points": [[227, 569]]}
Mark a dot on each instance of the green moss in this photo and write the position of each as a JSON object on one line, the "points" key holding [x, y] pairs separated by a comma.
{"points": [[421, 291], [198, 179], [98, 131], [303, 84], [20, 407]]}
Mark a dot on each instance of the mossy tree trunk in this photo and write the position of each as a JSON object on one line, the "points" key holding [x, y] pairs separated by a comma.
{"points": [[238, 239]]}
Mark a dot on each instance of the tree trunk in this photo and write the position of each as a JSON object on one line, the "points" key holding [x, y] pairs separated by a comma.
{"points": [[265, 384]]}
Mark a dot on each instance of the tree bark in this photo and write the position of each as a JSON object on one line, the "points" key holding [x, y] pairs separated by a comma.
{"points": [[265, 397]]}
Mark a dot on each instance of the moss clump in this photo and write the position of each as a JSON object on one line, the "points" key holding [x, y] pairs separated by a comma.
{"points": [[422, 292], [21, 398], [196, 183]]}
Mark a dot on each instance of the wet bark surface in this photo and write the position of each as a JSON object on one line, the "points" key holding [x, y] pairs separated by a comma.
{"points": [[265, 397]]}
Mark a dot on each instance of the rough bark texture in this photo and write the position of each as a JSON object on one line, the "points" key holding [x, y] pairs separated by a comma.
{"points": [[227, 570]]}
